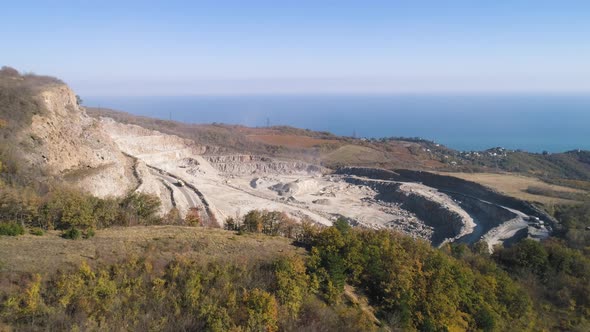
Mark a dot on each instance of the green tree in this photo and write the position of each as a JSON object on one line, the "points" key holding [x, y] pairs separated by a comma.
{"points": [[253, 222], [342, 225], [141, 208], [262, 311], [66, 208], [291, 283]]}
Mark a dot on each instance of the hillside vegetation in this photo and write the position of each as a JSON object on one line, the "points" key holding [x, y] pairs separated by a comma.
{"points": [[348, 279], [18, 100], [18, 104]]}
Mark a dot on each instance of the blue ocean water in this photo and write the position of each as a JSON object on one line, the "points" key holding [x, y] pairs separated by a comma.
{"points": [[527, 122]]}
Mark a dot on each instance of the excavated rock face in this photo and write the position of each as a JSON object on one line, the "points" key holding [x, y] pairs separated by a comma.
{"points": [[252, 164], [444, 222], [65, 142], [153, 146]]}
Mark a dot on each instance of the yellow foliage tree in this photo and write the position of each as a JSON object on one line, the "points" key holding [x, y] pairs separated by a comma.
{"points": [[262, 311]]}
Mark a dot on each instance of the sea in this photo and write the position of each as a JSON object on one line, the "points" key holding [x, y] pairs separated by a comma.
{"points": [[534, 123]]}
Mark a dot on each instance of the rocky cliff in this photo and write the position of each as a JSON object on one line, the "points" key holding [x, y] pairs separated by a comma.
{"points": [[64, 142]]}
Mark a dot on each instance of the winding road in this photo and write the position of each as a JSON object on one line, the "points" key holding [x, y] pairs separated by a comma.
{"points": [[194, 197], [190, 195]]}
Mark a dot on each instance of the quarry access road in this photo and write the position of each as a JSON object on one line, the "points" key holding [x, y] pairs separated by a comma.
{"points": [[190, 195]]}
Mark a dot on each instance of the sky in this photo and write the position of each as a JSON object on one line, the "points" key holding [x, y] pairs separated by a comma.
{"points": [[136, 48]]}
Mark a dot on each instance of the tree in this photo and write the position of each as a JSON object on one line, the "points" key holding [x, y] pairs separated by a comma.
{"points": [[192, 217], [253, 222], [342, 225], [328, 264], [230, 224], [291, 283], [106, 211], [271, 221], [66, 208], [527, 254], [262, 311], [141, 208]]}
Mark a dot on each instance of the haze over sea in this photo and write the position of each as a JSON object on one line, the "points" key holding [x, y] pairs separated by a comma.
{"points": [[532, 123]]}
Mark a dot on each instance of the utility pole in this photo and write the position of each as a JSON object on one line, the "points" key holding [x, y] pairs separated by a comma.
{"points": [[267, 122]]}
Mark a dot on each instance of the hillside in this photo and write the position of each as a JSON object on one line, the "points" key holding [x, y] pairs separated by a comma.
{"points": [[287, 142], [565, 170], [47, 135], [114, 220], [392, 153], [229, 170], [171, 278]]}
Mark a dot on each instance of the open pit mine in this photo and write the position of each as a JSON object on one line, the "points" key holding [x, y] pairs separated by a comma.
{"points": [[108, 158], [219, 185]]}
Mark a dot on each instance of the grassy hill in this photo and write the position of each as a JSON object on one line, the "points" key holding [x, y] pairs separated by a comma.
{"points": [[333, 278]]}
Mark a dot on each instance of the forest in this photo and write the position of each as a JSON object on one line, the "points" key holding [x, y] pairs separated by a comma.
{"points": [[349, 279]]}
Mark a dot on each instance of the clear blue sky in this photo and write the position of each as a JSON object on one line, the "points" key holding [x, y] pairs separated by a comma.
{"points": [[235, 47]]}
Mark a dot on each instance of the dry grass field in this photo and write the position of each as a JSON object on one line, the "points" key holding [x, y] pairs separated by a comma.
{"points": [[50, 252], [292, 141], [354, 155], [517, 185]]}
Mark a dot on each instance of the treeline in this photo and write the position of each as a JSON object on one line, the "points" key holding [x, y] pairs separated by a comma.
{"points": [[272, 223], [407, 285], [556, 277], [66, 209], [414, 286], [531, 285], [575, 222]]}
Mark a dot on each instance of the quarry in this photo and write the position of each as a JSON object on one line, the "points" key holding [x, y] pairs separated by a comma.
{"points": [[222, 185], [105, 157]]}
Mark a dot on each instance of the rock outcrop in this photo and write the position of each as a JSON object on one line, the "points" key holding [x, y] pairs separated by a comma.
{"points": [[253, 164], [436, 210], [66, 143]]}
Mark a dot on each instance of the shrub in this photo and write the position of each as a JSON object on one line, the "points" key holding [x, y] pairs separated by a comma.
{"points": [[9, 71], [230, 224], [36, 231], [11, 229], [67, 208], [192, 217], [89, 233], [72, 234], [140, 209]]}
